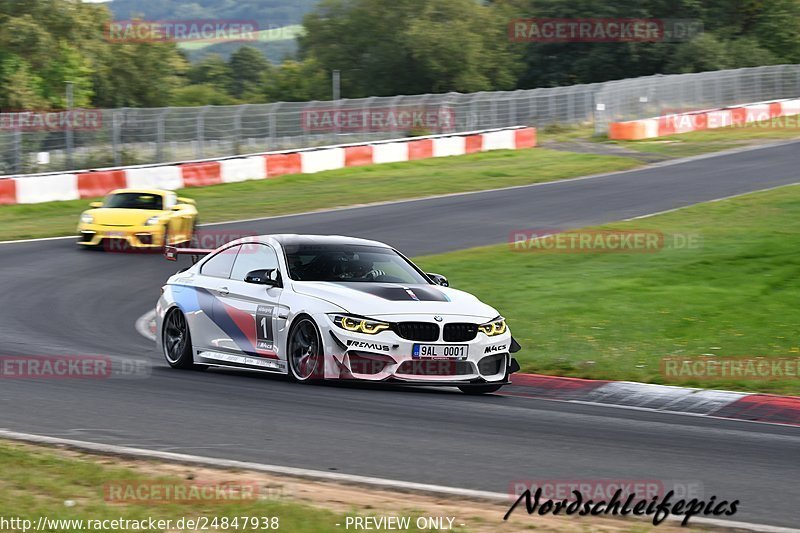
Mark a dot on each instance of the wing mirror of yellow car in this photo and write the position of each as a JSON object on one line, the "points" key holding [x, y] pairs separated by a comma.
{"points": [[96, 204], [182, 200]]}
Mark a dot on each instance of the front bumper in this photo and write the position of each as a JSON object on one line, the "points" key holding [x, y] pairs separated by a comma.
{"points": [[124, 236], [387, 357]]}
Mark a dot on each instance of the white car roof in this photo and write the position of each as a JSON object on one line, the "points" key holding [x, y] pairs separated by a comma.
{"points": [[285, 239]]}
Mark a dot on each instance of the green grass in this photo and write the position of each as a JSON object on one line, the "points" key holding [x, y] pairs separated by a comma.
{"points": [[685, 144], [614, 316], [701, 142], [37, 483], [351, 186]]}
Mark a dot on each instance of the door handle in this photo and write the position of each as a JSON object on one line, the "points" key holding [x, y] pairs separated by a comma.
{"points": [[223, 291]]}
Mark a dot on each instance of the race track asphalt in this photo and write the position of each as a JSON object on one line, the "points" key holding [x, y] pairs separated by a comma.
{"points": [[56, 299]]}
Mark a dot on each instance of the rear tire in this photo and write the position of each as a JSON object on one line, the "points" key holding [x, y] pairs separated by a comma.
{"points": [[176, 340], [304, 351]]}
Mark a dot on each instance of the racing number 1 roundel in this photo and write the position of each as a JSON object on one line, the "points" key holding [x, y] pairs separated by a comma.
{"points": [[264, 338]]}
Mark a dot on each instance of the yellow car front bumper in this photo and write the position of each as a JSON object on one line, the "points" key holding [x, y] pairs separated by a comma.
{"points": [[132, 236]]}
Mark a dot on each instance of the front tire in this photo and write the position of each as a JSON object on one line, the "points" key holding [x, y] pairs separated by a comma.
{"points": [[304, 351], [177, 341]]}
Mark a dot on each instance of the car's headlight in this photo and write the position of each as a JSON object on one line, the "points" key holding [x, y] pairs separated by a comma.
{"points": [[86, 218], [359, 325], [152, 221], [495, 327]]}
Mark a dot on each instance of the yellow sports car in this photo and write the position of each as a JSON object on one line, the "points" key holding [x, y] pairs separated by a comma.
{"points": [[138, 218]]}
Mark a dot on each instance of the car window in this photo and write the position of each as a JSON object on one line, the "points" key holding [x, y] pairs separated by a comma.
{"points": [[253, 257], [349, 262], [219, 265], [134, 200]]}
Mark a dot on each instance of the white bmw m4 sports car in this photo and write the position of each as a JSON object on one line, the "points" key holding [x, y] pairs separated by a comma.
{"points": [[330, 307]]}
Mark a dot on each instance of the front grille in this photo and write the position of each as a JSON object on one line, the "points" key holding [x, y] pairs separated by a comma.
{"points": [[436, 367], [460, 332], [417, 331], [145, 238], [492, 364], [86, 236]]}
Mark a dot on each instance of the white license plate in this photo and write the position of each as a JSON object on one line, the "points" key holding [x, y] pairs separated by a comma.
{"points": [[439, 351]]}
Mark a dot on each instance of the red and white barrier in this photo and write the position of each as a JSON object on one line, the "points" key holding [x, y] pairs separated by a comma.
{"points": [[89, 184], [447, 146], [321, 160], [47, 188], [633, 130], [247, 168], [167, 177]]}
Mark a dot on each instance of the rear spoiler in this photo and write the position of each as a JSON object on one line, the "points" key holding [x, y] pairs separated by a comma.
{"points": [[171, 253]]}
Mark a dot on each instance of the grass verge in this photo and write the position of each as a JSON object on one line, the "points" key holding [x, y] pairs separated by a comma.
{"points": [[685, 144], [732, 292], [701, 142], [351, 186], [62, 485]]}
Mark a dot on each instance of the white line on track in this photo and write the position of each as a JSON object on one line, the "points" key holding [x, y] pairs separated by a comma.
{"points": [[468, 193], [143, 325], [319, 475]]}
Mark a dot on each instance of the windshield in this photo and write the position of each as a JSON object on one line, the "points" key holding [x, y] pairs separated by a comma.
{"points": [[352, 263], [134, 200]]}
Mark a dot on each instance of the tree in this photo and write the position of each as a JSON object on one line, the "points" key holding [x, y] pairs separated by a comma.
{"points": [[297, 81], [211, 70], [410, 46], [46, 43], [200, 95], [247, 67]]}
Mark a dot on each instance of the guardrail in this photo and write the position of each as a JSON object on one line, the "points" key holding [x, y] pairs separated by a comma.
{"points": [[701, 120], [50, 187]]}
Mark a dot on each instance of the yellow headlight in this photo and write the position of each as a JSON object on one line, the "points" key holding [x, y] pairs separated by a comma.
{"points": [[496, 327], [360, 325]]}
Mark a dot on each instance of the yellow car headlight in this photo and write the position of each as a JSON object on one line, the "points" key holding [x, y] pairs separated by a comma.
{"points": [[86, 218], [495, 327], [360, 325], [152, 221]]}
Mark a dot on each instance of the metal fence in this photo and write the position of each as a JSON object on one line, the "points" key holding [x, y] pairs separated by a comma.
{"points": [[658, 95], [137, 136]]}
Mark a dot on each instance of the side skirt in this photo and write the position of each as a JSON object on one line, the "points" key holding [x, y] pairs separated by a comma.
{"points": [[241, 362]]}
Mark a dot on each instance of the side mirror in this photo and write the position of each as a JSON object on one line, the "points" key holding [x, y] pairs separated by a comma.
{"points": [[96, 204], [270, 277], [438, 279], [183, 200]]}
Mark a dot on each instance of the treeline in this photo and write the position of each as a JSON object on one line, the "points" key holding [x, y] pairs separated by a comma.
{"points": [[380, 47]]}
